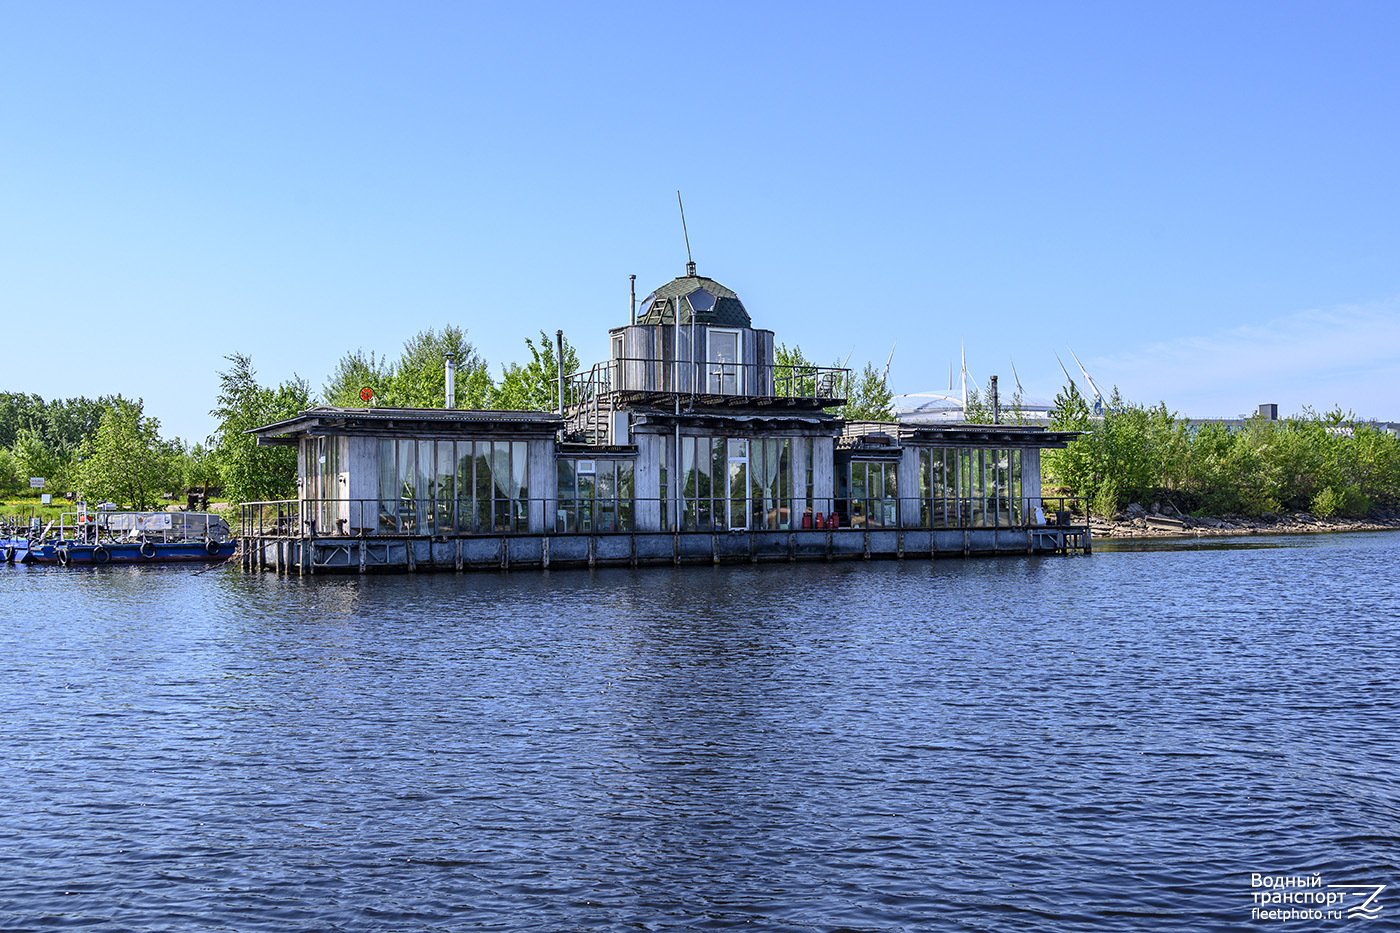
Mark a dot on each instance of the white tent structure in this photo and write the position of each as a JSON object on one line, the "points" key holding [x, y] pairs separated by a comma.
{"points": [[937, 407]]}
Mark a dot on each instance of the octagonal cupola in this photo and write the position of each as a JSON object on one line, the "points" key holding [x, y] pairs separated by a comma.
{"points": [[693, 335], [695, 299]]}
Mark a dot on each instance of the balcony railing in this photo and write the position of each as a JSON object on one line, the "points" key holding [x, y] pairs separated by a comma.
{"points": [[756, 380], [590, 396], [398, 518]]}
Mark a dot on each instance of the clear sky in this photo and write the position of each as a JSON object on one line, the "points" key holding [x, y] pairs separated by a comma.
{"points": [[1199, 198]]}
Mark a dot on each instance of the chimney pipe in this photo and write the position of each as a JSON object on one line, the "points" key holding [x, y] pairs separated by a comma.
{"points": [[634, 299], [559, 343], [451, 391], [996, 403]]}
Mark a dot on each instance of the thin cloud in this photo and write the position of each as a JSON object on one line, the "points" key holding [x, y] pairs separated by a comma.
{"points": [[1347, 356]]}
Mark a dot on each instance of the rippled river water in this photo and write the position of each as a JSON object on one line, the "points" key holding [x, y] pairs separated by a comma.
{"points": [[1110, 742]]}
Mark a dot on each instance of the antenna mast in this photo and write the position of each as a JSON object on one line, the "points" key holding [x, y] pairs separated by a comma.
{"points": [[689, 262]]}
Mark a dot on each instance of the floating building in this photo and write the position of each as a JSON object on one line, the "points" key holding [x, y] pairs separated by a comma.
{"points": [[691, 444]]}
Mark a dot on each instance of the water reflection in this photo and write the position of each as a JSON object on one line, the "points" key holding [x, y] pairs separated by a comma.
{"points": [[1035, 742]]}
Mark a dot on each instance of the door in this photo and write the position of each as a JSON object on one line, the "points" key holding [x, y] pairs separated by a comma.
{"points": [[724, 362], [738, 483]]}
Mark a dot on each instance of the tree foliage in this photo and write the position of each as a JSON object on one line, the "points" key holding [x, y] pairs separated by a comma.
{"points": [[125, 461], [534, 386], [868, 397], [1327, 464], [250, 473], [418, 378]]}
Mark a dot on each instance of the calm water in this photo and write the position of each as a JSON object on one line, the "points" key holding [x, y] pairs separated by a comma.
{"points": [[1110, 742]]}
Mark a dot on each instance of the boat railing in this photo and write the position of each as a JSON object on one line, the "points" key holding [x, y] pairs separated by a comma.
{"points": [[434, 517], [90, 527]]}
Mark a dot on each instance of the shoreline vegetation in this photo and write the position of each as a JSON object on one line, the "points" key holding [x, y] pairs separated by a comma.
{"points": [[1308, 472], [1289, 473], [1137, 522]]}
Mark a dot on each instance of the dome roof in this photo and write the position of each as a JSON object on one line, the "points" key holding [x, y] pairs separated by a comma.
{"points": [[699, 299]]}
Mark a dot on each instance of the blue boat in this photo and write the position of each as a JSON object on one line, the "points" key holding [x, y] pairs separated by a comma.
{"points": [[107, 537]]}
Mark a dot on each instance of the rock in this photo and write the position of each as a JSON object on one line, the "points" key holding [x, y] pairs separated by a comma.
{"points": [[1269, 517], [1135, 511]]}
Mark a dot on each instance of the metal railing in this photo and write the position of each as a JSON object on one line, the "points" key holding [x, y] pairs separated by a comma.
{"points": [[589, 394], [312, 518], [157, 527]]}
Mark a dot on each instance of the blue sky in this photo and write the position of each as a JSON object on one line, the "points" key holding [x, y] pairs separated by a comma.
{"points": [[1199, 199]]}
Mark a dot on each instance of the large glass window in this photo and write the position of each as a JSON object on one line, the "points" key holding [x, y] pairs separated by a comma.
{"points": [[976, 487], [437, 487], [594, 495], [873, 493], [734, 482]]}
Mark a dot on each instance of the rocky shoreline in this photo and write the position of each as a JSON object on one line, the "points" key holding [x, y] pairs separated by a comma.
{"points": [[1166, 522]]}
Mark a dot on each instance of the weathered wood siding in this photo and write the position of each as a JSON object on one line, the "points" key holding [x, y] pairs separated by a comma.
{"points": [[651, 449], [543, 484], [1030, 473], [648, 350], [362, 481]]}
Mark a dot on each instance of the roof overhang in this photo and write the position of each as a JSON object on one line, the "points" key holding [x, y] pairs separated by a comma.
{"points": [[438, 423], [954, 434]]}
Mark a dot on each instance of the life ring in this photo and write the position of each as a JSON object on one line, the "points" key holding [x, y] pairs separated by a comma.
{"points": [[211, 547], [100, 555], [148, 550], [9, 555], [64, 558]]}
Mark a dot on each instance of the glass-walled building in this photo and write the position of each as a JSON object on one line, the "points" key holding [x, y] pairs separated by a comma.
{"points": [[690, 427], [420, 471], [947, 476]]}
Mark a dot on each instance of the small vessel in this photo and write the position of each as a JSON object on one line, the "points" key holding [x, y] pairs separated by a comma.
{"points": [[110, 537]]}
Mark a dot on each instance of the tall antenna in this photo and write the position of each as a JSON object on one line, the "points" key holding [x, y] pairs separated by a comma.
{"points": [[689, 262]]}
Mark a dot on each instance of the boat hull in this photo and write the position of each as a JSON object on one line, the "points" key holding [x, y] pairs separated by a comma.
{"points": [[69, 554]]}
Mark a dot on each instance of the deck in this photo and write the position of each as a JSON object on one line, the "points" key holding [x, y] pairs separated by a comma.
{"points": [[425, 553]]}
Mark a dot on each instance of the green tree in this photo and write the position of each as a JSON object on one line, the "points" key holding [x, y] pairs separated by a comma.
{"points": [[534, 386], [35, 456], [418, 378], [1070, 469], [251, 473], [794, 376], [10, 480], [126, 461], [354, 373], [18, 412], [868, 397]]}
